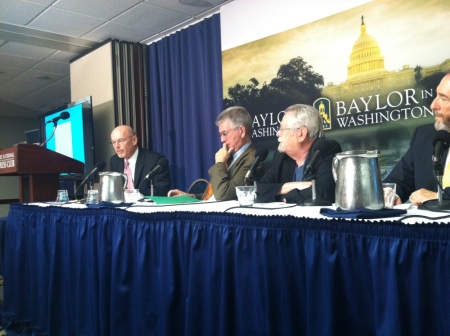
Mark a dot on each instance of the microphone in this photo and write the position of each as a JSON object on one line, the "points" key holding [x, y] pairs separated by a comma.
{"points": [[162, 162], [441, 141], [98, 166], [260, 155], [64, 115], [322, 146]]}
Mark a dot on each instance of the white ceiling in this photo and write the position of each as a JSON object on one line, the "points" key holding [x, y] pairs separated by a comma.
{"points": [[38, 38]]}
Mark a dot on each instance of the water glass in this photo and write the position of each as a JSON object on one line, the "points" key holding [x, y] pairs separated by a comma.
{"points": [[92, 197], [62, 196], [132, 195], [389, 195], [246, 195]]}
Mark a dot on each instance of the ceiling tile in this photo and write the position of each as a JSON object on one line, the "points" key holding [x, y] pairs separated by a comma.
{"points": [[104, 9], [119, 32], [8, 73], [65, 22], [20, 49], [44, 97], [55, 104], [19, 12], [32, 75], [10, 91], [17, 61], [182, 8], [151, 18], [62, 56], [43, 2], [51, 68]]}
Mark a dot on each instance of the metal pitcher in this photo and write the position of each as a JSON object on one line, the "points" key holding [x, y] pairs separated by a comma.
{"points": [[358, 180], [112, 187]]}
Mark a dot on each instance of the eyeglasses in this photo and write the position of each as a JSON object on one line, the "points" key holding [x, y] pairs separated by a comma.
{"points": [[289, 128], [119, 141], [225, 133]]}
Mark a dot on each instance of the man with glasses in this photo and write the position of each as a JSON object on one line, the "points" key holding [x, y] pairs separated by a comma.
{"points": [[136, 163], [289, 179], [233, 160]]}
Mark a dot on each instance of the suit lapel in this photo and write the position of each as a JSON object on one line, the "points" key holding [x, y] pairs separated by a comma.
{"points": [[236, 164], [140, 162]]}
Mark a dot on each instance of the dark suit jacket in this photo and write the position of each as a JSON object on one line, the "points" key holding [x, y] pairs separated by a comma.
{"points": [[415, 169], [224, 182], [283, 169], [146, 161]]}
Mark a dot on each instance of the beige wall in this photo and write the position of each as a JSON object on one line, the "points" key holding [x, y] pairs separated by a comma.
{"points": [[92, 75]]}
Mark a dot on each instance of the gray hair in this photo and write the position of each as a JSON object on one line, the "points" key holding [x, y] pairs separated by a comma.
{"points": [[307, 116], [238, 116]]}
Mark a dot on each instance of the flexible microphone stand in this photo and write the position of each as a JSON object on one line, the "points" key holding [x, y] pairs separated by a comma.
{"points": [[51, 136], [439, 204]]}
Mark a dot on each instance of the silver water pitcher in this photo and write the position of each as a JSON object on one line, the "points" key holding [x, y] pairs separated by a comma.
{"points": [[112, 187], [358, 180]]}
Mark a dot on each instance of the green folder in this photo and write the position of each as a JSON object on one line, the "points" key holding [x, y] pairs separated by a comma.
{"points": [[172, 200]]}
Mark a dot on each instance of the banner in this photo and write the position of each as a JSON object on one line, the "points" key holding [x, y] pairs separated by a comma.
{"points": [[371, 71]]}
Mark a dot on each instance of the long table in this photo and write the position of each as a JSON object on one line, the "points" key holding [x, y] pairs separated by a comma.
{"points": [[107, 271]]}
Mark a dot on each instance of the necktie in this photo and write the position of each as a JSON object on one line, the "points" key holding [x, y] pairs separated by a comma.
{"points": [[127, 172], [446, 177], [209, 191]]}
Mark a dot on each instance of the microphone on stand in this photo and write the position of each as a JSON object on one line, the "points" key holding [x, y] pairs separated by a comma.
{"points": [[98, 166], [161, 163], [440, 142], [321, 147], [63, 116], [260, 156]]}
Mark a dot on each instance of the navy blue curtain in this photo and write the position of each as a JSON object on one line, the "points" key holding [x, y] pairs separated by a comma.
{"points": [[111, 272], [185, 84]]}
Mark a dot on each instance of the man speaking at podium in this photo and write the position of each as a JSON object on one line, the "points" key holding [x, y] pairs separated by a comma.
{"points": [[137, 163]]}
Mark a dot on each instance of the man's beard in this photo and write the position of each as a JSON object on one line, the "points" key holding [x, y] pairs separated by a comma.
{"points": [[280, 147], [441, 126]]}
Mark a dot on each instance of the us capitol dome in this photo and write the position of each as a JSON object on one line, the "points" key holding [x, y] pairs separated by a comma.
{"points": [[366, 74]]}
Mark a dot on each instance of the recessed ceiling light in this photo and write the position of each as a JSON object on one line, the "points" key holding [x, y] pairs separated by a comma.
{"points": [[43, 77]]}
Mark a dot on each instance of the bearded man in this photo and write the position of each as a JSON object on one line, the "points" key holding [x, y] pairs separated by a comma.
{"points": [[414, 174]]}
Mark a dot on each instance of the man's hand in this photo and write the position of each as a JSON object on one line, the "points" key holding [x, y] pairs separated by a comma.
{"points": [[422, 195], [176, 192], [223, 154]]}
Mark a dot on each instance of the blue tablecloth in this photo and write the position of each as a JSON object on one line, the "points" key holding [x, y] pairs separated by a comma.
{"points": [[112, 272]]}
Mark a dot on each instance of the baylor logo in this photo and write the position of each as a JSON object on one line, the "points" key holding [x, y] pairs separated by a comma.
{"points": [[323, 105]]}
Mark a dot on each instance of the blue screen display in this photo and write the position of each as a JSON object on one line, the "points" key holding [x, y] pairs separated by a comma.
{"points": [[69, 137]]}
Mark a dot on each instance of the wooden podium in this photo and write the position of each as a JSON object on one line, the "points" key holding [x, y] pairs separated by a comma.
{"points": [[39, 170]]}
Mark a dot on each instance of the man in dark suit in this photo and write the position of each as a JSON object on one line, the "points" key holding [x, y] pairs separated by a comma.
{"points": [[414, 174], [137, 162], [233, 160], [288, 180]]}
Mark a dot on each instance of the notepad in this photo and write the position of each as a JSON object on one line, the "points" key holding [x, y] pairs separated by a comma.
{"points": [[172, 200]]}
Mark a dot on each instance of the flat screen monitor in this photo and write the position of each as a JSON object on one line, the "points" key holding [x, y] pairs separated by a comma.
{"points": [[74, 136]]}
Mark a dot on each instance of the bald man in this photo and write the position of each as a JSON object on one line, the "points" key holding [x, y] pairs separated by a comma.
{"points": [[137, 162]]}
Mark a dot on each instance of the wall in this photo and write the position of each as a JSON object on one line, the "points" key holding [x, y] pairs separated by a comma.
{"points": [[12, 132], [92, 75]]}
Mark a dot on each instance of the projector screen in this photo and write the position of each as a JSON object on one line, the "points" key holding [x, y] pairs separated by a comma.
{"points": [[73, 136]]}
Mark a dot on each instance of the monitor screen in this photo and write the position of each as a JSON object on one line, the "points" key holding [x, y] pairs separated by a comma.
{"points": [[74, 132]]}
